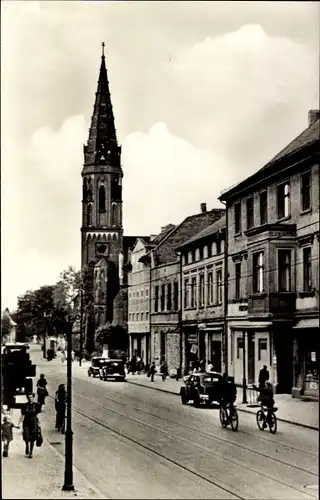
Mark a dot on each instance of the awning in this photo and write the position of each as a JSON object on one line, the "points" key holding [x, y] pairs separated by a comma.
{"points": [[307, 323], [251, 325]]}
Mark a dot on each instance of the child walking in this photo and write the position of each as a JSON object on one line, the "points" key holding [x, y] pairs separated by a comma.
{"points": [[6, 434]]}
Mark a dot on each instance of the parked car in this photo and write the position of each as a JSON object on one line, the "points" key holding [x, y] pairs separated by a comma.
{"points": [[201, 388], [112, 368], [96, 363]]}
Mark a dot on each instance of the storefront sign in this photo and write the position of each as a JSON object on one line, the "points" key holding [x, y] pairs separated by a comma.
{"points": [[193, 338], [313, 357]]}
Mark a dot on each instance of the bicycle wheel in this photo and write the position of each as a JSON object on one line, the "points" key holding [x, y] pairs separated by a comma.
{"points": [[260, 420], [273, 423], [223, 417], [234, 420]]}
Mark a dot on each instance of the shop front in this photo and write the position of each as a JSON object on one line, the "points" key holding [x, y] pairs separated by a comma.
{"points": [[306, 358], [191, 347], [214, 349]]}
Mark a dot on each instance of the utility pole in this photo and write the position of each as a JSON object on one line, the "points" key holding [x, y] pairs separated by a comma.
{"points": [[81, 326], [68, 471]]}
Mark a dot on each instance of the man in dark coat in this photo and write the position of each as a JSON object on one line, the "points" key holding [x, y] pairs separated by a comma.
{"points": [[263, 377]]}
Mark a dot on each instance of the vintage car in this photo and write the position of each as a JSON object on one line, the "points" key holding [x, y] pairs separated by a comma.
{"points": [[96, 363], [201, 388], [112, 368]]}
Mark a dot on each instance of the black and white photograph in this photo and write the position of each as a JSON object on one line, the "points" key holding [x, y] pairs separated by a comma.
{"points": [[160, 288]]}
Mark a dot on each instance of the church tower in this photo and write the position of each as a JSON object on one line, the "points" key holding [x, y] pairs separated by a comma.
{"points": [[102, 231]]}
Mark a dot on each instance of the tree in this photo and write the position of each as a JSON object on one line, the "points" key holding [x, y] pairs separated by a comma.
{"points": [[33, 308], [114, 336]]}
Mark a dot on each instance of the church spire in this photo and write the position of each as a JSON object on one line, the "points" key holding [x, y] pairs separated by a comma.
{"points": [[102, 147]]}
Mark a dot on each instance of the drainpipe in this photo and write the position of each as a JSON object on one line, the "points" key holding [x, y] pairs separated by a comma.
{"points": [[225, 301]]}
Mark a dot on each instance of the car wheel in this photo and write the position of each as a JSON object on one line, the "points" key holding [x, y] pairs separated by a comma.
{"points": [[183, 395], [196, 400]]}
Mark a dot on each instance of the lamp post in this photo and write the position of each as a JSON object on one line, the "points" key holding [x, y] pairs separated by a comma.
{"points": [[68, 471], [46, 316], [81, 327]]}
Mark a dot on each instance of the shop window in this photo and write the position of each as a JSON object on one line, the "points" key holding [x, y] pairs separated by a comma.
{"points": [[238, 280], [219, 286], [262, 349], [163, 297], [239, 348], [307, 277], [263, 207], [156, 299], [283, 200], [258, 272], [284, 270], [250, 218], [169, 297], [306, 191], [186, 293], [193, 291], [210, 288], [237, 217], [201, 291]]}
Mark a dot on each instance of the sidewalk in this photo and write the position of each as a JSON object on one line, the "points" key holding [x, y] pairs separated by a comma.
{"points": [[40, 477], [292, 411]]}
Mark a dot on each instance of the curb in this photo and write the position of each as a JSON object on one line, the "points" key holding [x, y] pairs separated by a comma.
{"points": [[298, 424]]}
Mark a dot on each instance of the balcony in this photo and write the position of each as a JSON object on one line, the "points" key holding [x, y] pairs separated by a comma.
{"points": [[276, 303]]}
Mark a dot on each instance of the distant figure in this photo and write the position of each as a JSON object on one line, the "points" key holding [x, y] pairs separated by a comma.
{"points": [[209, 367], [63, 356], [164, 370], [153, 371], [60, 406], [6, 434], [72, 355], [263, 377], [133, 365], [42, 392]]}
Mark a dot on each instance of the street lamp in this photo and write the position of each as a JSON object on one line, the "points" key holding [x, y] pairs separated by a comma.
{"points": [[68, 471], [81, 326], [46, 316]]}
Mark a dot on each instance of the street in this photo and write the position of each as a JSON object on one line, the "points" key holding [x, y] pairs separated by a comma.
{"points": [[133, 442]]}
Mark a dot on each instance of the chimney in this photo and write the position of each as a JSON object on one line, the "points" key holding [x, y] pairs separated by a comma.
{"points": [[203, 208], [313, 116]]}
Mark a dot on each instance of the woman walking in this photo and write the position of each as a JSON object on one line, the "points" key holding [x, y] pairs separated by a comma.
{"points": [[42, 392], [60, 405], [30, 426]]}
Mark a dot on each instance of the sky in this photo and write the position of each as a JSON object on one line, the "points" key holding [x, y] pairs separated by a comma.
{"points": [[204, 94]]}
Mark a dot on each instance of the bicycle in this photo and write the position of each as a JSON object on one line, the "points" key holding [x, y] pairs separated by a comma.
{"points": [[229, 416], [266, 417]]}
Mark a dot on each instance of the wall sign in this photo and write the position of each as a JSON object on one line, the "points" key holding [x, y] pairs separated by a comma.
{"points": [[313, 385], [313, 357], [192, 338]]}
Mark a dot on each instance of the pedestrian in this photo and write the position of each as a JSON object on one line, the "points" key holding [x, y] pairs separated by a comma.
{"points": [[31, 427], [153, 371], [63, 356], [72, 355], [60, 406], [6, 434], [42, 392], [263, 377], [209, 367], [133, 365], [164, 370]]}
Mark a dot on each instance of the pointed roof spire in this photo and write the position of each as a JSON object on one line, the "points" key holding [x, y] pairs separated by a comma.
{"points": [[102, 134]]}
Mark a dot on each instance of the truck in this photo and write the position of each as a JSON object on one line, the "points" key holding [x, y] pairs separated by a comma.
{"points": [[17, 372]]}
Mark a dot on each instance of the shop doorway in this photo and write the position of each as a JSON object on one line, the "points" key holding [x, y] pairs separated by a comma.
{"points": [[215, 355]]}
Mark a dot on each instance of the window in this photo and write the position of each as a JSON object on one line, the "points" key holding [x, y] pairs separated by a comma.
{"points": [[163, 296], [147, 292], [193, 253], [137, 293], [307, 278], [210, 288], [142, 316], [237, 217], [156, 299], [250, 218], [283, 200], [238, 280], [162, 345], [175, 296], [263, 347], [284, 270], [186, 293], [218, 246], [102, 199], [201, 253], [263, 208], [114, 214], [201, 291], [209, 251], [89, 215], [186, 258], [239, 347], [193, 291], [258, 270], [306, 191], [219, 286], [169, 297], [147, 316]]}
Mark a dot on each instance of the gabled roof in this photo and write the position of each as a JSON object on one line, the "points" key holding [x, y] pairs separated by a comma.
{"points": [[6, 315], [307, 138], [164, 252], [206, 232]]}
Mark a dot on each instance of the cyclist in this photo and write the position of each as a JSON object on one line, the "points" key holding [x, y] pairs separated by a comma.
{"points": [[228, 392], [266, 399]]}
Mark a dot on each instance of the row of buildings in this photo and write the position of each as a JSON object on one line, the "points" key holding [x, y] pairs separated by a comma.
{"points": [[238, 286]]}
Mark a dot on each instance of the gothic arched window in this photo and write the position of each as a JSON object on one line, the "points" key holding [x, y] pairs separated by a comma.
{"points": [[84, 190], [114, 215], [102, 199], [89, 215]]}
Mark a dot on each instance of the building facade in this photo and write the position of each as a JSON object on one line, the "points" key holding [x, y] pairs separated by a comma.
{"points": [[273, 268], [202, 266]]}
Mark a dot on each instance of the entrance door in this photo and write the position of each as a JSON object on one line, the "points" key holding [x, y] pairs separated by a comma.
{"points": [[215, 353], [251, 358]]}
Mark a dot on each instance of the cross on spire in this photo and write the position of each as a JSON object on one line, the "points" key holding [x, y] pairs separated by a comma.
{"points": [[103, 45]]}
